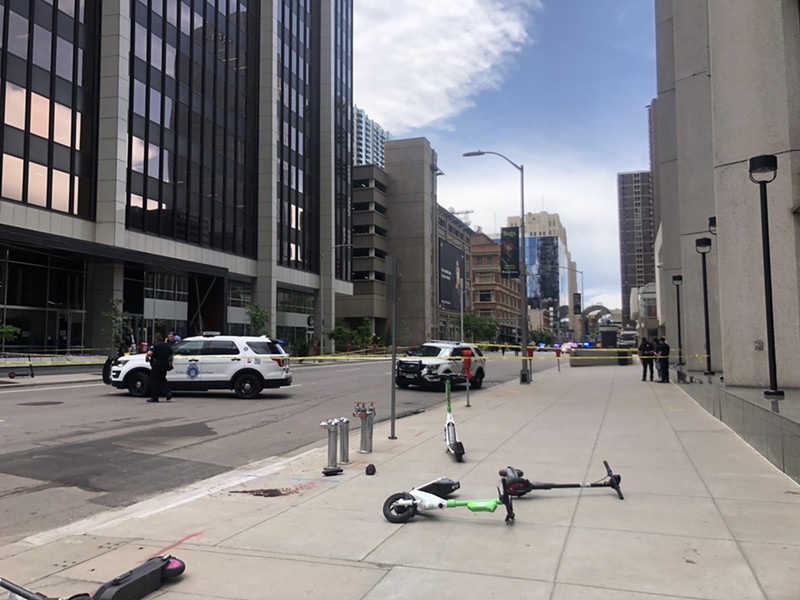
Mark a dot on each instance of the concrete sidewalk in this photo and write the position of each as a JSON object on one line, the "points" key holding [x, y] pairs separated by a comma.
{"points": [[704, 517]]}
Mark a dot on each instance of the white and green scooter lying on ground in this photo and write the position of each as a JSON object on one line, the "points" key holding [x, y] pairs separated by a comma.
{"points": [[402, 506]]}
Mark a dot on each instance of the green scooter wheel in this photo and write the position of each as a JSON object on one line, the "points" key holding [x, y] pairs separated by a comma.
{"points": [[398, 513]]}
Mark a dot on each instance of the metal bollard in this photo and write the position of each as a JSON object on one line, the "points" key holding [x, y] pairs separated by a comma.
{"points": [[333, 433], [344, 440], [367, 416]]}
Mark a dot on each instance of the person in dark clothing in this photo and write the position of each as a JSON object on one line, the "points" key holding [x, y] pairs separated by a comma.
{"points": [[160, 358], [662, 352], [647, 356]]}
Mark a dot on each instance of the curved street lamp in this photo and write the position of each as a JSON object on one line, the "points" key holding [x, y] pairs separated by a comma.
{"points": [[677, 281], [524, 374], [703, 247], [763, 170]]}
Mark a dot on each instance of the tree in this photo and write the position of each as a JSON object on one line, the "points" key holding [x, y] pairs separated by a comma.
{"points": [[9, 333], [341, 334], [542, 336], [480, 328], [259, 318], [363, 335], [118, 327]]}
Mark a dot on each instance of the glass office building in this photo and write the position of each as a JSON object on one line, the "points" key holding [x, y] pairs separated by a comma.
{"points": [[182, 165]]}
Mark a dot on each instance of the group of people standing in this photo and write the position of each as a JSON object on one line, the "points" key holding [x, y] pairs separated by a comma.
{"points": [[656, 352]]}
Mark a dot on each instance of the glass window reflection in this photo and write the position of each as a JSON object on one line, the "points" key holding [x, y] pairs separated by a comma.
{"points": [[62, 124], [59, 191], [37, 184], [18, 35], [40, 115], [42, 44], [12, 177], [64, 58], [15, 106]]}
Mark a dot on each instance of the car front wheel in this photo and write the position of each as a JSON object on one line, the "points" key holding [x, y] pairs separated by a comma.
{"points": [[477, 381], [139, 384], [247, 386]]}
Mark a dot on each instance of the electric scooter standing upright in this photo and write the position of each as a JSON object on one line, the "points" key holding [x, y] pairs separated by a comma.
{"points": [[454, 446]]}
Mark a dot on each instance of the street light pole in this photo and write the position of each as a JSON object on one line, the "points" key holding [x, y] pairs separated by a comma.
{"points": [[677, 280], [322, 295], [703, 247], [524, 374], [767, 166]]}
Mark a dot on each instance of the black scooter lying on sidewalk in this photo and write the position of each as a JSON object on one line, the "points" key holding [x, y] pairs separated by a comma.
{"points": [[517, 486], [131, 585]]}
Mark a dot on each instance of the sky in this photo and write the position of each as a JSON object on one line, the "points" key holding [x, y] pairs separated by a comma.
{"points": [[560, 87]]}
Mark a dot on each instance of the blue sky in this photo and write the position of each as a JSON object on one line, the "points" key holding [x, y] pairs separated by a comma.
{"points": [[559, 86]]}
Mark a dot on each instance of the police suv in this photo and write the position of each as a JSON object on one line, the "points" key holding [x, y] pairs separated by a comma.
{"points": [[243, 364], [429, 363]]}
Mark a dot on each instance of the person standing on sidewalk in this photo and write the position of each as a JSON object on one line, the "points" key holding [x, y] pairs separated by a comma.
{"points": [[647, 356], [160, 358], [662, 352]]}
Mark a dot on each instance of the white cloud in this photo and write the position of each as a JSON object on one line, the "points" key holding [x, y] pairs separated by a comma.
{"points": [[581, 192], [418, 62]]}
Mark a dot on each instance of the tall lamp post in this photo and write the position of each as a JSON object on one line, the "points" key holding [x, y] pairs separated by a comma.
{"points": [[677, 280], [763, 170], [703, 247], [322, 295], [524, 374]]}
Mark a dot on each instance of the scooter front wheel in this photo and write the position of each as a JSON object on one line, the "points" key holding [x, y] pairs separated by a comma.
{"points": [[459, 452], [173, 568], [399, 513]]}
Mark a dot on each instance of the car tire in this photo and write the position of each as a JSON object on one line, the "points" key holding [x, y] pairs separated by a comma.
{"points": [[401, 384], [247, 386], [138, 384], [476, 382]]}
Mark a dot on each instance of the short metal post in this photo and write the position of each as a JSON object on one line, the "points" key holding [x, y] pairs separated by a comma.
{"points": [[367, 416], [333, 433], [344, 440]]}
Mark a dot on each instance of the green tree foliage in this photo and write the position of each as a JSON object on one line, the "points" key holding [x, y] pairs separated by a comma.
{"points": [[341, 334], [363, 335], [9, 333], [479, 328], [259, 318], [117, 327], [539, 336]]}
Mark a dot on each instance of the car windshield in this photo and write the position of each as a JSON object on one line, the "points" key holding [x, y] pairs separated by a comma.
{"points": [[433, 351], [265, 347]]}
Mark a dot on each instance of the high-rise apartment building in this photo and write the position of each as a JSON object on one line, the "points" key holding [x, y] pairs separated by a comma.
{"points": [[368, 140], [187, 158], [636, 235], [551, 272]]}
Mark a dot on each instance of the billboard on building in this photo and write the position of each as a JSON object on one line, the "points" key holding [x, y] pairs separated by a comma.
{"points": [[451, 276], [509, 252]]}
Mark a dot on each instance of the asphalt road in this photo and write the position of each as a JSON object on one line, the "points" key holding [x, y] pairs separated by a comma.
{"points": [[72, 451]]}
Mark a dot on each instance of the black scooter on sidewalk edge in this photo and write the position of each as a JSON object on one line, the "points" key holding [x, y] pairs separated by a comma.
{"points": [[518, 486], [131, 585]]}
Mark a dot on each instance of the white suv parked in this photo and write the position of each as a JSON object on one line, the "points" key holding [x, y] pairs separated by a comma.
{"points": [[428, 364], [245, 365]]}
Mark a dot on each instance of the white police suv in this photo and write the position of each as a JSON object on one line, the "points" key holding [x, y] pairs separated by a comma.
{"points": [[428, 364], [243, 364]]}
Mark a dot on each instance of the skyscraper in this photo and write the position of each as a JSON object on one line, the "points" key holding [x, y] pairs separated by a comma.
{"points": [[369, 140], [636, 235], [195, 162]]}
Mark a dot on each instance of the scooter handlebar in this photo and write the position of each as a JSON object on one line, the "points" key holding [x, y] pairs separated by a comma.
{"points": [[614, 480]]}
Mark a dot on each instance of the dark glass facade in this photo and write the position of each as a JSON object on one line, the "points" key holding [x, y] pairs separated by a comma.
{"points": [[48, 99], [299, 106], [193, 122]]}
